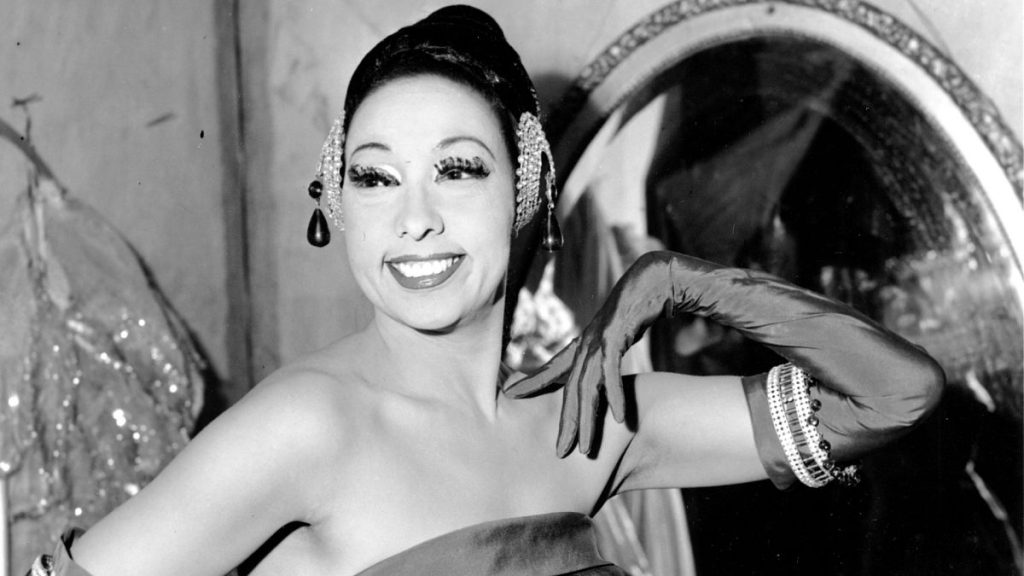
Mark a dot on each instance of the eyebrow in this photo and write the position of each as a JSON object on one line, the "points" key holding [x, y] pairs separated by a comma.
{"points": [[370, 146], [452, 140]]}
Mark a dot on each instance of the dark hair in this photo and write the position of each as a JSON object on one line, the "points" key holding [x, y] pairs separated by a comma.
{"points": [[462, 44]]}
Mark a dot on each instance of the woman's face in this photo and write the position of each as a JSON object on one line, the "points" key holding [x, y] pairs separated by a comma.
{"points": [[428, 202]]}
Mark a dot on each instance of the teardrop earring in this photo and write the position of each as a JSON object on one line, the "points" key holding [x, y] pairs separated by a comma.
{"points": [[552, 241], [552, 232], [317, 233]]}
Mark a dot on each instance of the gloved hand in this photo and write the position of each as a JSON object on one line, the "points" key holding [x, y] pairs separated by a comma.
{"points": [[873, 382], [636, 301]]}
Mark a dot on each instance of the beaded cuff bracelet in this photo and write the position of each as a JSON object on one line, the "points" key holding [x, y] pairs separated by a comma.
{"points": [[796, 425], [780, 403]]}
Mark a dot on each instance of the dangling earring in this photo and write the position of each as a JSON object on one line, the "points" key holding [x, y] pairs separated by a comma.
{"points": [[552, 241], [329, 178], [534, 163], [317, 233]]}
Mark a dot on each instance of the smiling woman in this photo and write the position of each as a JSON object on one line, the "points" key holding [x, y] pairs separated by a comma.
{"points": [[407, 448], [428, 203]]}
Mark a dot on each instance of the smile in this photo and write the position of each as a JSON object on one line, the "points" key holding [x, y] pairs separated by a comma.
{"points": [[420, 273]]}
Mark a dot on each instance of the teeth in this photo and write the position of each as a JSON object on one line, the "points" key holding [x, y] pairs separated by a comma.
{"points": [[423, 267]]}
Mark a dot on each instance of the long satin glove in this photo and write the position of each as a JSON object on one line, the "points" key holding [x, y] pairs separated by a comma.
{"points": [[873, 384]]}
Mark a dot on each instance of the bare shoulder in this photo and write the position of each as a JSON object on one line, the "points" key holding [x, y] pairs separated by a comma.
{"points": [[271, 452], [314, 400]]}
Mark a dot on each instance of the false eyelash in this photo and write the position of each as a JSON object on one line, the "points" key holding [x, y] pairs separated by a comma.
{"points": [[370, 177], [473, 167]]}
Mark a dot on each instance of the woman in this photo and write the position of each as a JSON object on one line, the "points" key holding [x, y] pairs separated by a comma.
{"points": [[396, 451]]}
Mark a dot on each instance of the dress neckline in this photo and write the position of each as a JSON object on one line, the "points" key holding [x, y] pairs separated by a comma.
{"points": [[551, 543]]}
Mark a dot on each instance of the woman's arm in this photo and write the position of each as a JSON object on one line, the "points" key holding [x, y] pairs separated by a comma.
{"points": [[872, 384], [246, 475]]}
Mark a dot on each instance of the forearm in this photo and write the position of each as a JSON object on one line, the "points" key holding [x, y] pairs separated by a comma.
{"points": [[872, 385]]}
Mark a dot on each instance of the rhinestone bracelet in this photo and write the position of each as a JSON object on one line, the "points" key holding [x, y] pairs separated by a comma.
{"points": [[804, 424], [796, 424], [780, 401]]}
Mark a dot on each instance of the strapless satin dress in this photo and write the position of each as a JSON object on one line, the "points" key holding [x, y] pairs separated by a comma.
{"points": [[562, 544]]}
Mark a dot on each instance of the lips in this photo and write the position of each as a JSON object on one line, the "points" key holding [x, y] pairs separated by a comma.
{"points": [[419, 273]]}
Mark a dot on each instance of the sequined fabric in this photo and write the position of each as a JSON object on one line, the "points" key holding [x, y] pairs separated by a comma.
{"points": [[99, 383]]}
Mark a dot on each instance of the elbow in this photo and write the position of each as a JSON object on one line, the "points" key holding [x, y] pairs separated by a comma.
{"points": [[931, 382], [920, 391], [913, 396]]}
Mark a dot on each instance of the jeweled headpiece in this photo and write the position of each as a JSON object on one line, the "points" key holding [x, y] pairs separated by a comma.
{"points": [[468, 46]]}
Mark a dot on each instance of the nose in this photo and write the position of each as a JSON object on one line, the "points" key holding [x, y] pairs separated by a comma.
{"points": [[418, 216]]}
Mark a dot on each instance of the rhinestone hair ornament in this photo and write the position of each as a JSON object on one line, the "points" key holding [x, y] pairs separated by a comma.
{"points": [[329, 170], [468, 42]]}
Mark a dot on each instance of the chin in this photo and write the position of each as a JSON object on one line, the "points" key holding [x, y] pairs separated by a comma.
{"points": [[432, 323], [437, 331], [428, 318], [441, 310], [438, 318]]}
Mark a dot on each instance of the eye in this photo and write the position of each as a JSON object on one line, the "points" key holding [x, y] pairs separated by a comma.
{"points": [[370, 177], [455, 168]]}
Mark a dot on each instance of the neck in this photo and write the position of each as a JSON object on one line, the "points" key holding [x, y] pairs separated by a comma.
{"points": [[458, 367]]}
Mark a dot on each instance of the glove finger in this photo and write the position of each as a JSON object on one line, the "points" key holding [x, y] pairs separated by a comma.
{"points": [[568, 425], [549, 377], [613, 384], [590, 401]]}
